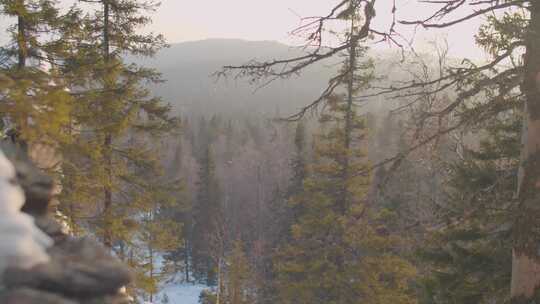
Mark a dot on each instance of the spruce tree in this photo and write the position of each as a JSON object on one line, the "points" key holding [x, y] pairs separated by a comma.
{"points": [[239, 276], [160, 235], [339, 252], [283, 214], [34, 102], [298, 162], [206, 209], [468, 256], [29, 46], [179, 259], [115, 117]]}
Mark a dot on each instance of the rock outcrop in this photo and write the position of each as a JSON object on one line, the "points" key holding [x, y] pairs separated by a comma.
{"points": [[78, 271], [22, 243]]}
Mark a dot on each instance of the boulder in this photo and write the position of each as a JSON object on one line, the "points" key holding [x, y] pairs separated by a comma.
{"points": [[76, 271], [32, 296], [79, 268]]}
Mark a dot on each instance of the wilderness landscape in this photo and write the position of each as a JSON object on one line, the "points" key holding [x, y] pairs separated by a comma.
{"points": [[356, 162]]}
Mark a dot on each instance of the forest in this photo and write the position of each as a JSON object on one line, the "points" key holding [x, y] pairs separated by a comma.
{"points": [[335, 171]]}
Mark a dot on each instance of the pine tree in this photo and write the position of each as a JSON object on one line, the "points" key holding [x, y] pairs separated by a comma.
{"points": [[160, 234], [69, 90], [282, 214], [298, 163], [34, 102], [340, 251], [31, 19], [179, 259], [469, 255], [206, 209], [35, 105], [115, 117], [239, 276]]}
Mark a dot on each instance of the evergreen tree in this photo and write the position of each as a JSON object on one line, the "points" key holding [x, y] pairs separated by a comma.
{"points": [[34, 102], [206, 210], [239, 276], [179, 259], [160, 235], [283, 214], [115, 117], [298, 163], [339, 252], [469, 253], [28, 45]]}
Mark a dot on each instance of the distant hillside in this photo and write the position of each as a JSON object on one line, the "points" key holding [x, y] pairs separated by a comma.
{"points": [[189, 87]]}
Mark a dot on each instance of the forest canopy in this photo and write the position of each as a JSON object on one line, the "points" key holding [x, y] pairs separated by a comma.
{"points": [[334, 172]]}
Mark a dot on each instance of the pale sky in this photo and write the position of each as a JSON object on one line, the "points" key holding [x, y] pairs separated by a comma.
{"points": [[273, 20]]}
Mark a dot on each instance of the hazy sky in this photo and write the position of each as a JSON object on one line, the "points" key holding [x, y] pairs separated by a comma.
{"points": [[273, 20]]}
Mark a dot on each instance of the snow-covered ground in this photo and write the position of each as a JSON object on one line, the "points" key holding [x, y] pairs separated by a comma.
{"points": [[180, 293], [175, 289]]}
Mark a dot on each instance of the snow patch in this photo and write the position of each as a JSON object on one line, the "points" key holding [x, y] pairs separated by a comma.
{"points": [[181, 293], [22, 243]]}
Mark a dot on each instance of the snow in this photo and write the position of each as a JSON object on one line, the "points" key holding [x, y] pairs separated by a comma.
{"points": [[181, 293], [175, 288], [22, 244], [11, 195]]}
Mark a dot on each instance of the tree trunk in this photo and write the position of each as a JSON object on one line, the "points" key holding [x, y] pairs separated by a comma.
{"points": [[151, 253], [186, 261], [21, 41], [22, 47], [107, 238], [526, 259], [106, 42], [344, 200], [220, 282], [107, 235]]}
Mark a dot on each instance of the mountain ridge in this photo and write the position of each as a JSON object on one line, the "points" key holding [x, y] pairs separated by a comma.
{"points": [[190, 86]]}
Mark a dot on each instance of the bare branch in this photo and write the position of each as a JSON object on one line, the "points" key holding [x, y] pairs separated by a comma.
{"points": [[454, 5]]}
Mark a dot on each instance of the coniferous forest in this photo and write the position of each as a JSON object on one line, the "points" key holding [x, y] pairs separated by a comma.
{"points": [[225, 171]]}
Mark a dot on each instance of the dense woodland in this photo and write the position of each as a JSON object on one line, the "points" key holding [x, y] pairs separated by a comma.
{"points": [[407, 178]]}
